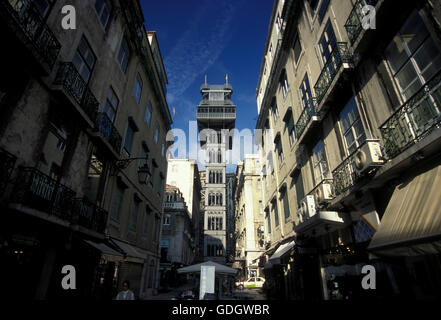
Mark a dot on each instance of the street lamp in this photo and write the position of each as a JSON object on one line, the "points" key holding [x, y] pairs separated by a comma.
{"points": [[144, 173]]}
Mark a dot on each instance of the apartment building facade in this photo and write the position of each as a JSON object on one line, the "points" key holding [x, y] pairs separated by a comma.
{"points": [[83, 124], [184, 174], [350, 114], [178, 241], [249, 219]]}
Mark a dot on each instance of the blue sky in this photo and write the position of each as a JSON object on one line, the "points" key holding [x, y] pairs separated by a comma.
{"points": [[213, 38]]}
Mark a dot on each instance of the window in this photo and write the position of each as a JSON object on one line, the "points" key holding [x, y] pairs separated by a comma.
{"points": [[279, 22], [137, 89], [313, 6], [297, 47], [351, 126], [143, 154], [167, 219], [84, 60], [291, 130], [279, 149], [283, 82], [271, 51], [305, 92], [413, 57], [103, 9], [216, 96], [134, 216], [111, 106], [275, 110], [275, 212], [130, 134], [322, 10], [156, 136], [268, 219], [319, 163], [300, 190], [327, 44], [123, 55], [215, 223], [146, 222], [285, 202], [117, 200], [148, 113]]}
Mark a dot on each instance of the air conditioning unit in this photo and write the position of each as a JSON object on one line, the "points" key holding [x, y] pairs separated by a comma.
{"points": [[323, 193], [307, 209], [368, 156]]}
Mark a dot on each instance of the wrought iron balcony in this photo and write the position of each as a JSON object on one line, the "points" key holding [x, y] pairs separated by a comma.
{"points": [[30, 21], [308, 113], [345, 175], [414, 120], [108, 131], [7, 162], [338, 57], [354, 25], [73, 83], [89, 215], [39, 191]]}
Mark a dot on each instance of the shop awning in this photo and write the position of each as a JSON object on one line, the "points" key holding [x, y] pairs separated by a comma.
{"points": [[411, 224], [219, 268], [132, 254], [281, 251], [107, 252]]}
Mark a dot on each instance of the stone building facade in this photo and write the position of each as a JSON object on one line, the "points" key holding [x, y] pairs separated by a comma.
{"points": [[351, 147], [178, 242], [184, 174], [249, 219], [75, 105]]}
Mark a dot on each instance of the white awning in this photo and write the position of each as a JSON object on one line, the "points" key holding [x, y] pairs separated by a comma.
{"points": [[107, 252], [219, 268], [411, 224], [281, 251]]}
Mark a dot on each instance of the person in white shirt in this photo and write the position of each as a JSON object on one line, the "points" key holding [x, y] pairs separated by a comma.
{"points": [[126, 293]]}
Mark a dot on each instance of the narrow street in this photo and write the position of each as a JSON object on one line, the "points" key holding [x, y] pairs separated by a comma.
{"points": [[238, 294]]}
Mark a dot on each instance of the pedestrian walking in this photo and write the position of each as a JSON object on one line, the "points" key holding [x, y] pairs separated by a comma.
{"points": [[126, 293]]}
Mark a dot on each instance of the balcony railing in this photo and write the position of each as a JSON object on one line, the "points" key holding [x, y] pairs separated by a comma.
{"points": [[109, 132], [308, 112], [345, 175], [73, 83], [354, 25], [7, 162], [89, 215], [216, 115], [337, 58], [30, 21], [414, 120], [39, 191]]}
